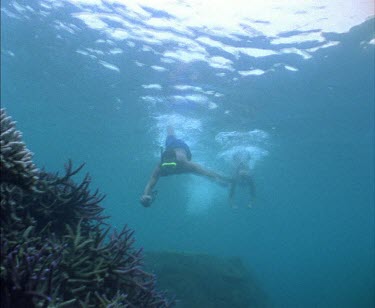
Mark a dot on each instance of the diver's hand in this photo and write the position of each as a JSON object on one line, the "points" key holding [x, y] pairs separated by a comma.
{"points": [[146, 200]]}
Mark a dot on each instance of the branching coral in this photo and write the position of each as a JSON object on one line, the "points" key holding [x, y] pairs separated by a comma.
{"points": [[60, 201], [55, 251], [27, 272], [16, 163]]}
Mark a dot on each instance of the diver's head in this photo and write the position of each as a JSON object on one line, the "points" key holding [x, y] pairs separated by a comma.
{"points": [[242, 165]]}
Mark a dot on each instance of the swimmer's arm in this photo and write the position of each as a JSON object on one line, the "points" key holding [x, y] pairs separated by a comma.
{"points": [[152, 182]]}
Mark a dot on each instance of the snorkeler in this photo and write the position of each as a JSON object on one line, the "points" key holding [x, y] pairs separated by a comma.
{"points": [[176, 159], [242, 177]]}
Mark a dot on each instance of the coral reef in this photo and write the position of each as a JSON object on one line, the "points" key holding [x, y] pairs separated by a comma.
{"points": [[15, 159], [56, 249]]}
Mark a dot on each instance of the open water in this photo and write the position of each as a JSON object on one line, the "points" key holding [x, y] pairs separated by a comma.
{"points": [[290, 83]]}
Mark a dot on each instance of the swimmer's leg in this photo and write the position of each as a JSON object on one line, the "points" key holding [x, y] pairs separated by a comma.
{"points": [[231, 195]]}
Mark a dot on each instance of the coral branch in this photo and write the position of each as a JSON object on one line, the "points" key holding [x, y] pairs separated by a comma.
{"points": [[55, 247], [16, 164]]}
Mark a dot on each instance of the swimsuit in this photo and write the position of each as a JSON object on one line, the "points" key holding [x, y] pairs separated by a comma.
{"points": [[173, 143]]}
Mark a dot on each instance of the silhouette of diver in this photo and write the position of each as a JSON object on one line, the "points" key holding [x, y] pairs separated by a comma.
{"points": [[176, 159], [242, 176]]}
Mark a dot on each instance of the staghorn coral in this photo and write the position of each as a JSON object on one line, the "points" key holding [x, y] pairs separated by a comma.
{"points": [[59, 201], [55, 201], [55, 248], [16, 160], [27, 271]]}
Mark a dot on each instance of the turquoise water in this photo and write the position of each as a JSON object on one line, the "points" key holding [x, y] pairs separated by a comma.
{"points": [[98, 82]]}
